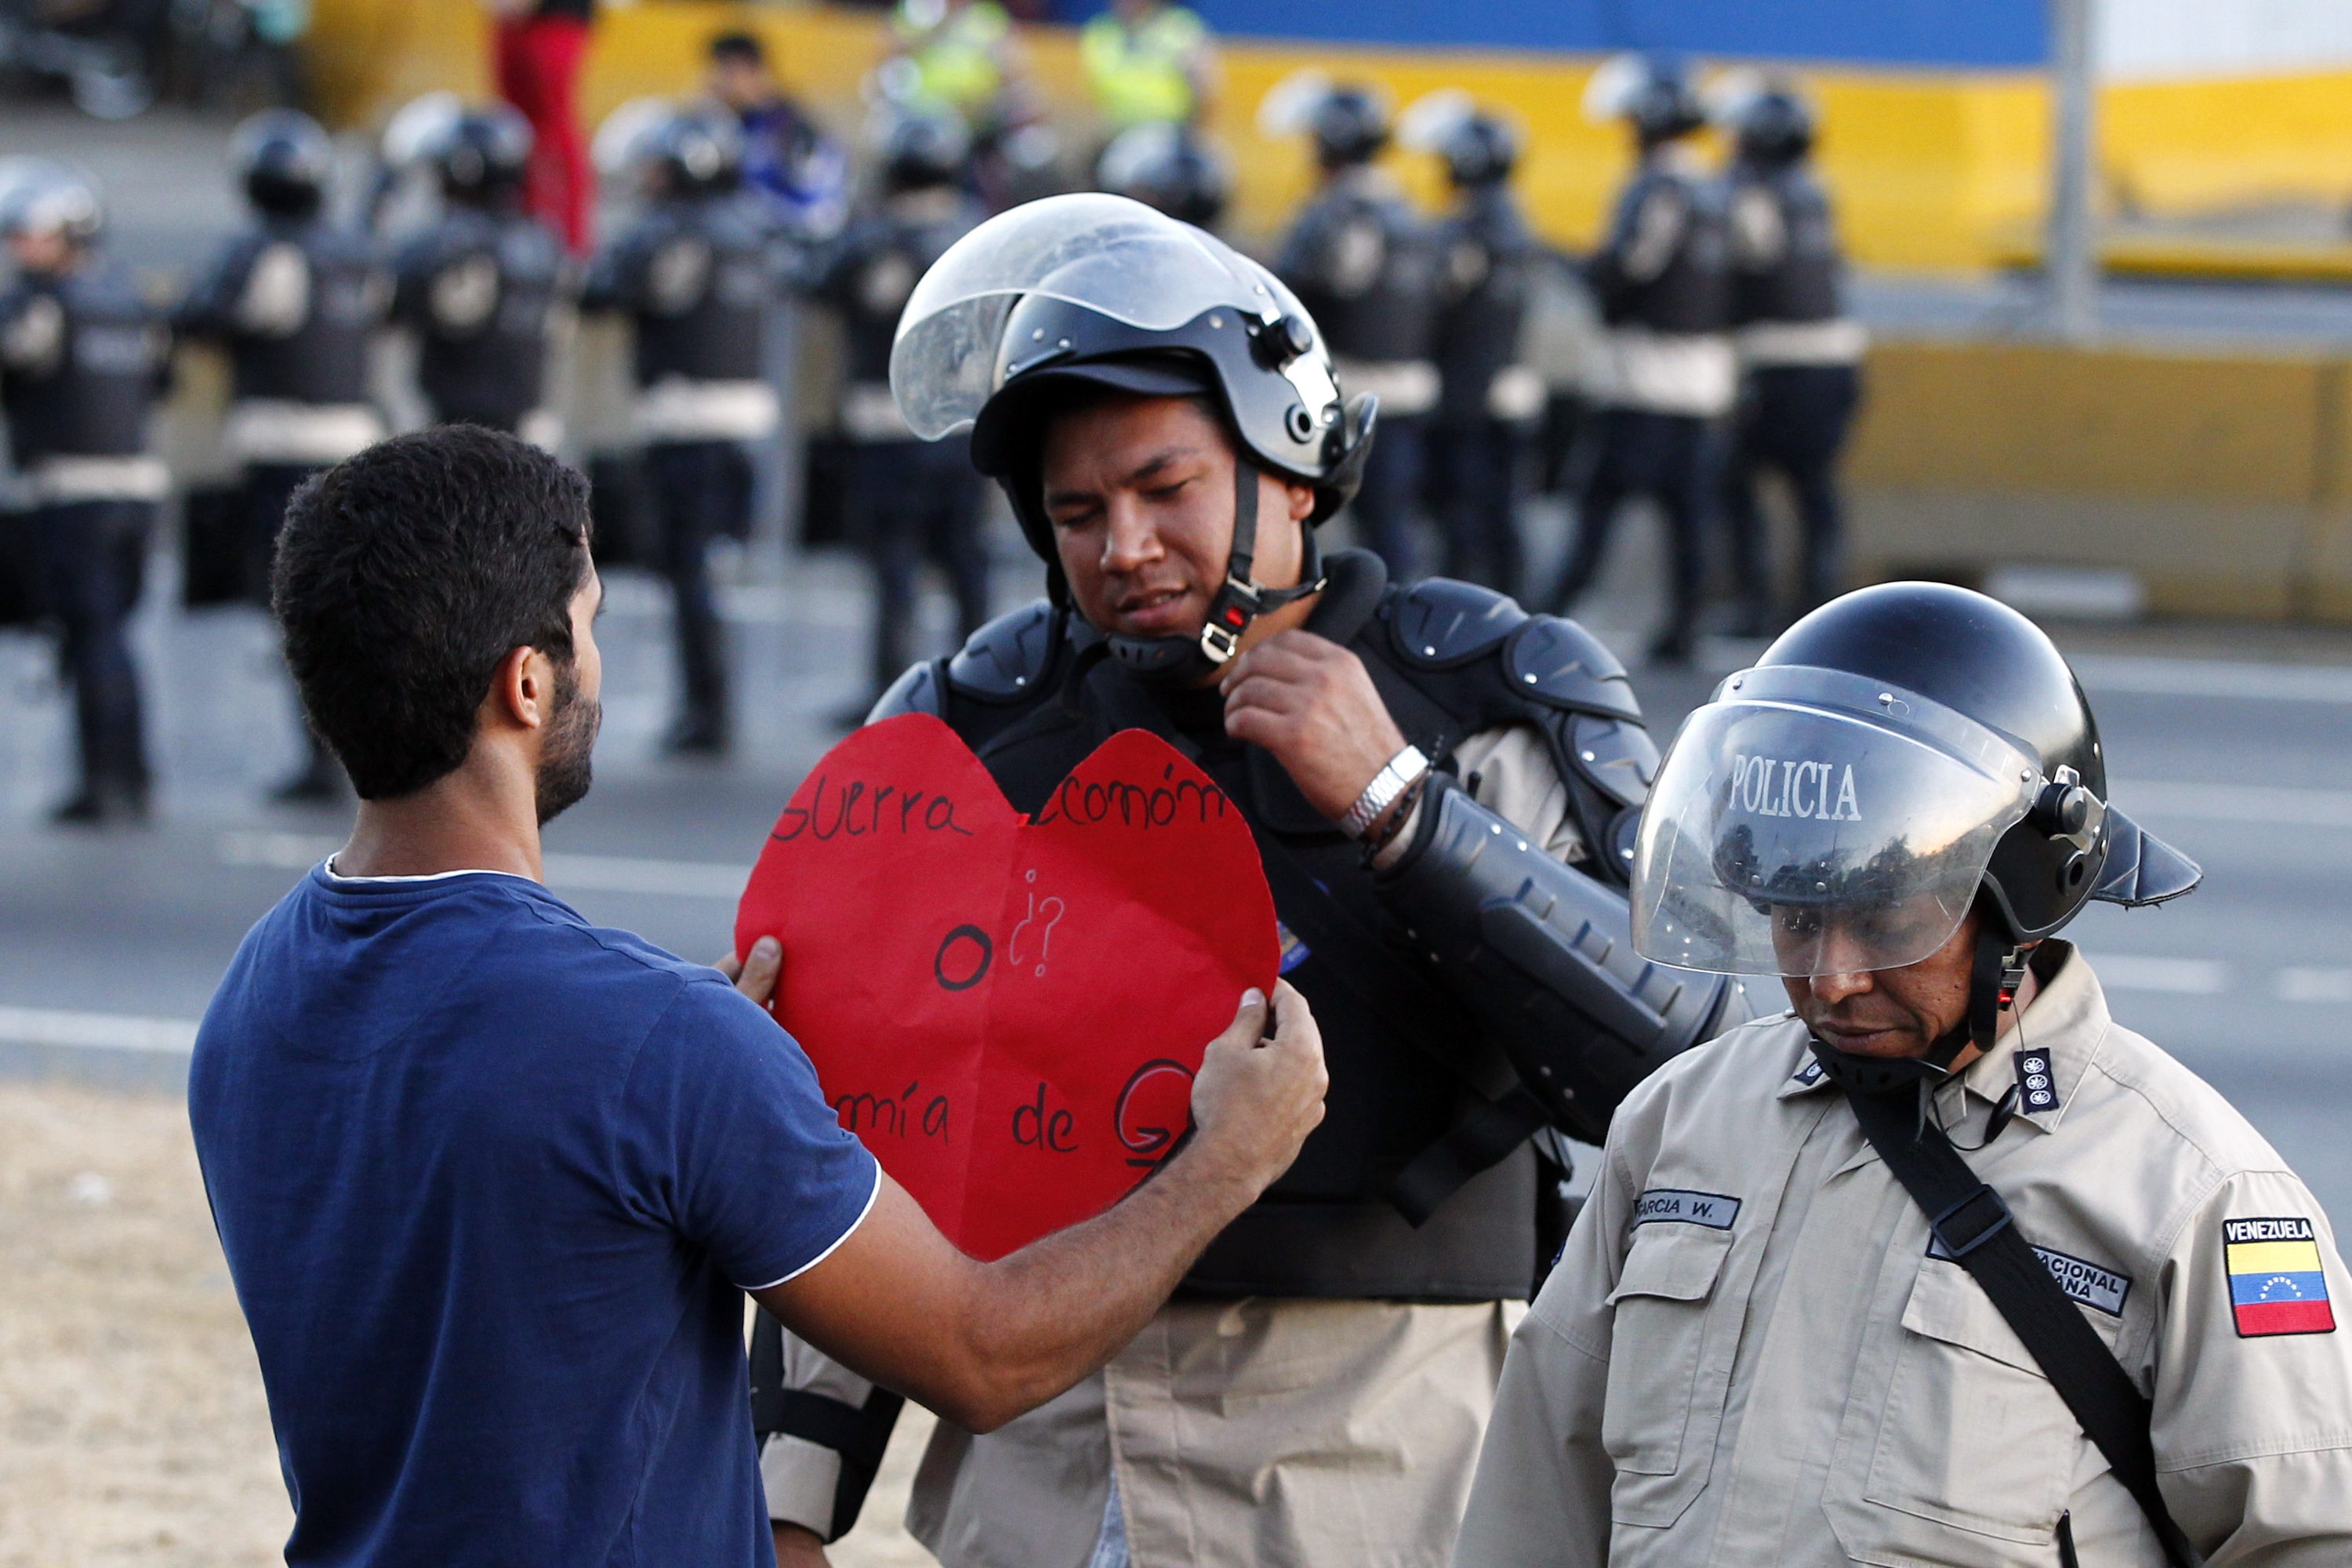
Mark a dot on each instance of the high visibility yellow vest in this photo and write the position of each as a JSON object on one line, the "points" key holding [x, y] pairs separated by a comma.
{"points": [[1138, 76], [956, 59]]}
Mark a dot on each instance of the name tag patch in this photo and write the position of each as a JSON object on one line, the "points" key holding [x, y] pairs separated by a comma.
{"points": [[2102, 1290], [1712, 1210], [2278, 1284]]}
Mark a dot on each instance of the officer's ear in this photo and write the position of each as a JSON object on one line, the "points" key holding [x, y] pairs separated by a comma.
{"points": [[1301, 499]]}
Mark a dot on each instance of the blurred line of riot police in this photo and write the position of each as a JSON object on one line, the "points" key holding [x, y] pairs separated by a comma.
{"points": [[1701, 345]]}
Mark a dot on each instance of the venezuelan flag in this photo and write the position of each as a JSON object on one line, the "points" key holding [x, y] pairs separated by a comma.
{"points": [[2279, 1287]]}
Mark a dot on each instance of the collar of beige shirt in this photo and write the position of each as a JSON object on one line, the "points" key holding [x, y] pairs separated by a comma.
{"points": [[2068, 1014]]}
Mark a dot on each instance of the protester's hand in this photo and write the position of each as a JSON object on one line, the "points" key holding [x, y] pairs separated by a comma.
{"points": [[1311, 702], [756, 976], [798, 1548], [1254, 1100]]}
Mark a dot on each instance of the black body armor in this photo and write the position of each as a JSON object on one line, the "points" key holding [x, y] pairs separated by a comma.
{"points": [[477, 288], [1785, 263], [1421, 1184], [1486, 262], [1362, 264], [1666, 264], [82, 360], [695, 276], [295, 302]]}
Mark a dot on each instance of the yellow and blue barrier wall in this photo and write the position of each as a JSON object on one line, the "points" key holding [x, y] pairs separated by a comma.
{"points": [[2223, 478]]}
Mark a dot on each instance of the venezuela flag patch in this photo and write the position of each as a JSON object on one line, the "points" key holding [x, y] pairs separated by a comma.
{"points": [[2277, 1283]]}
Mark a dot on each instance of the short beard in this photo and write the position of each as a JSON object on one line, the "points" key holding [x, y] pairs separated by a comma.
{"points": [[567, 762]]}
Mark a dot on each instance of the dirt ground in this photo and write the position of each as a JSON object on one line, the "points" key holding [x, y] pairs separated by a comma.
{"points": [[132, 1430]]}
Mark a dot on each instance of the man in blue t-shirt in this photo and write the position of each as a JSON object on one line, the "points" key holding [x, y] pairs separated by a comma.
{"points": [[493, 1181]]}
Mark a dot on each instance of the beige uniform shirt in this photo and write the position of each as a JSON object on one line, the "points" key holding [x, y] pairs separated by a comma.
{"points": [[1274, 1433], [1747, 1355]]}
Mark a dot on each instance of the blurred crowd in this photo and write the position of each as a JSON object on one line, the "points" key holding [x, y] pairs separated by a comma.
{"points": [[1701, 344]]}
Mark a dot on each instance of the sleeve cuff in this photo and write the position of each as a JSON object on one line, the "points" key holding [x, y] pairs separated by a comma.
{"points": [[802, 1480], [872, 1192]]}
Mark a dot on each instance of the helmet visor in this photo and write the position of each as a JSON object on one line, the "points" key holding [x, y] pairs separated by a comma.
{"points": [[1105, 254], [1813, 822]]}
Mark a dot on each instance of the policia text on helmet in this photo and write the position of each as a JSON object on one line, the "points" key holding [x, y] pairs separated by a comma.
{"points": [[1027, 316], [1902, 799]]}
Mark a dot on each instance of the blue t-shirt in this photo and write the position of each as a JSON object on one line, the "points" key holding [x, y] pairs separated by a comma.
{"points": [[491, 1181]]}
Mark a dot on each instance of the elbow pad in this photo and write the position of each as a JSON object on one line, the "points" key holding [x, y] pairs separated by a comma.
{"points": [[1544, 956]]}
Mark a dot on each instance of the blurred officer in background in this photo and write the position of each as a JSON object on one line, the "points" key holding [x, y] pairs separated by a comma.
{"points": [[1361, 261], [1661, 278], [797, 172], [479, 286], [82, 358], [962, 53], [295, 301], [910, 500], [1488, 401], [1428, 758], [1800, 352], [1147, 62], [1173, 169], [1943, 1265], [692, 275]]}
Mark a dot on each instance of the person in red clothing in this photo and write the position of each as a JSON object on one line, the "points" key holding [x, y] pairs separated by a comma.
{"points": [[540, 44]]}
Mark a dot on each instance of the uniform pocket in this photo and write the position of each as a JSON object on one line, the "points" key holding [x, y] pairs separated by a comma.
{"points": [[1973, 1438], [1659, 1420]]}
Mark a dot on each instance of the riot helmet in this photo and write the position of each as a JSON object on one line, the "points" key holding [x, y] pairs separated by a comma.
{"points": [[1899, 756], [1478, 148], [284, 161], [1770, 123], [40, 196], [924, 148], [483, 155], [1168, 168], [1099, 290], [671, 149], [1652, 92], [1348, 123]]}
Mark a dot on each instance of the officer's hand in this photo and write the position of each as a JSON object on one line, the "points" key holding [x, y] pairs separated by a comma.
{"points": [[1254, 1100], [1311, 702], [756, 977], [798, 1548]]}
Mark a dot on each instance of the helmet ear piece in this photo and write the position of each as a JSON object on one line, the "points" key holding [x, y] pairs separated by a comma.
{"points": [[1345, 476]]}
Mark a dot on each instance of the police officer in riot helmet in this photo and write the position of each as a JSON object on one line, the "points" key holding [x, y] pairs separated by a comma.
{"points": [[480, 285], [295, 301], [1361, 261], [2010, 1284], [1488, 402], [1667, 372], [82, 357], [692, 275], [1443, 788], [1175, 169], [1799, 350], [908, 500]]}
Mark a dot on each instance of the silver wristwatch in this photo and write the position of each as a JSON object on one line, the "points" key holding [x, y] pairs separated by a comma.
{"points": [[1393, 779]]}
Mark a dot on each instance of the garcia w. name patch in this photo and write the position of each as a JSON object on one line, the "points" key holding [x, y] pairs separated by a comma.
{"points": [[2278, 1285], [1712, 1210]]}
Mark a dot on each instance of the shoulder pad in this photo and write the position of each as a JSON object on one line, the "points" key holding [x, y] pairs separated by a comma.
{"points": [[1005, 659], [915, 691], [1557, 661], [1440, 623]]}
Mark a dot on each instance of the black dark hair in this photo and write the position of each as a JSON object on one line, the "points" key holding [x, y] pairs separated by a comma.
{"points": [[406, 574], [745, 48]]}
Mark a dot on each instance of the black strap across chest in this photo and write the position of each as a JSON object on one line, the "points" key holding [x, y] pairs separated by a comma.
{"points": [[1975, 1225]]}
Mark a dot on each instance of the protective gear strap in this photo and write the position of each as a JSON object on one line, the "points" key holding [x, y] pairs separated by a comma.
{"points": [[1976, 1227], [857, 1433]]}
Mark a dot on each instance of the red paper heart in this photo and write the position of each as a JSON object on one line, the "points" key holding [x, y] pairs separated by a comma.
{"points": [[1010, 1011]]}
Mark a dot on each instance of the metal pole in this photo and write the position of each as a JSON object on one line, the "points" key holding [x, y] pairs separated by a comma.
{"points": [[2070, 263]]}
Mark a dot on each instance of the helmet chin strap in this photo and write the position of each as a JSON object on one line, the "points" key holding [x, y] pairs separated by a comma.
{"points": [[1239, 601], [1996, 973]]}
